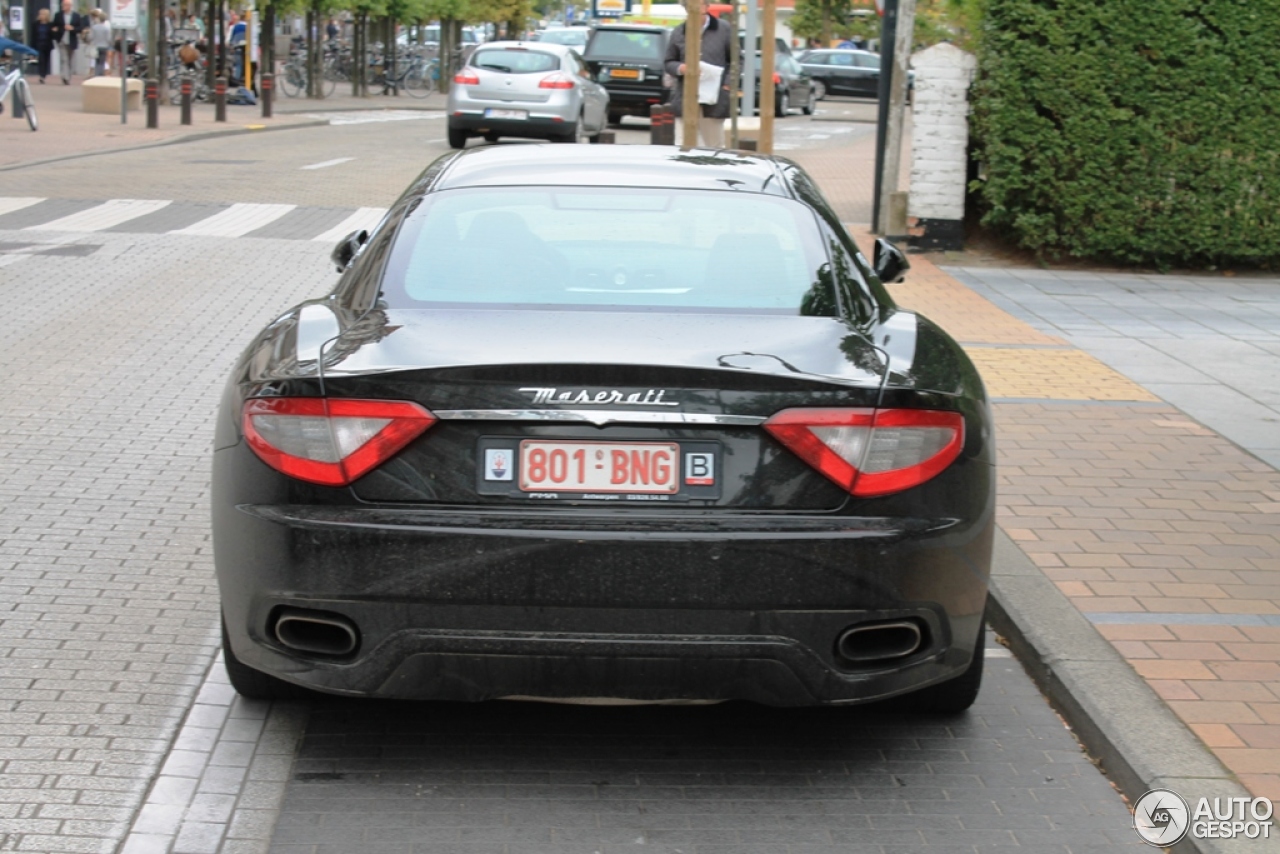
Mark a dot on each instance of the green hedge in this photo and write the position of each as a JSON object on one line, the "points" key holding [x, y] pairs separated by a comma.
{"points": [[1141, 131]]}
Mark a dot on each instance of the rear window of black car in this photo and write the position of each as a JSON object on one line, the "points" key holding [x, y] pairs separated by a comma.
{"points": [[515, 61], [617, 44], [592, 247]]}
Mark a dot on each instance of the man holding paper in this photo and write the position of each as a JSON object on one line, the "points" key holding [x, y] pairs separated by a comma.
{"points": [[713, 84]]}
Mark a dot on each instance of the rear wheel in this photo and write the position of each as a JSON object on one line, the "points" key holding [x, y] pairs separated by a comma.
{"points": [[615, 119], [291, 82], [28, 106], [254, 684], [577, 134], [809, 108], [956, 695], [819, 90], [782, 104], [457, 138]]}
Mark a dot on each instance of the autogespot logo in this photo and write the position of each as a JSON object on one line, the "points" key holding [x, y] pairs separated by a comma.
{"points": [[1161, 817]]}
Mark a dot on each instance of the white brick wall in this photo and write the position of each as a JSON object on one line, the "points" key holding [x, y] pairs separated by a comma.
{"points": [[941, 131]]}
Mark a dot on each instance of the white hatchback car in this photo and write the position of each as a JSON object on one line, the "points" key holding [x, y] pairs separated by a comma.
{"points": [[535, 90]]}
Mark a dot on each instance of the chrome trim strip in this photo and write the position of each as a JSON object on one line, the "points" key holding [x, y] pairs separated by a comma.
{"points": [[598, 417]]}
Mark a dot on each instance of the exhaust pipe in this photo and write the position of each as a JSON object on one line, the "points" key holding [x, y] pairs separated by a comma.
{"points": [[316, 632], [879, 641]]}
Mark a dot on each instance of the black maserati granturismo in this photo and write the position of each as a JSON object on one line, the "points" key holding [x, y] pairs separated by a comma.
{"points": [[622, 422]]}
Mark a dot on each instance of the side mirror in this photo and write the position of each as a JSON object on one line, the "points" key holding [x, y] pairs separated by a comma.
{"points": [[347, 248], [890, 264]]}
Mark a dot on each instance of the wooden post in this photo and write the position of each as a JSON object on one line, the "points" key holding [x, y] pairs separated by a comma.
{"points": [[767, 92], [692, 71], [735, 76]]}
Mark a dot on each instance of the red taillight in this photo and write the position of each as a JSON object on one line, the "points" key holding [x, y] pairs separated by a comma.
{"points": [[330, 442], [777, 79], [466, 78], [871, 452], [559, 80]]}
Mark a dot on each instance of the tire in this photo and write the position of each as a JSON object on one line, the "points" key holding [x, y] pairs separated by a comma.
{"points": [[23, 91], [577, 135], [819, 90], [614, 120], [782, 104], [327, 87], [291, 81], [954, 696], [810, 108], [457, 138], [417, 82], [491, 137], [254, 684]]}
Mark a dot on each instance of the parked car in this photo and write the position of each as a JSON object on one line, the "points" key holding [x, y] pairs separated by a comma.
{"points": [[844, 72], [627, 60], [792, 86], [575, 37], [534, 90], [613, 422]]}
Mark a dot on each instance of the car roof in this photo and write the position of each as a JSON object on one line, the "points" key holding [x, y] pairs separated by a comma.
{"points": [[639, 28], [546, 47], [612, 166]]}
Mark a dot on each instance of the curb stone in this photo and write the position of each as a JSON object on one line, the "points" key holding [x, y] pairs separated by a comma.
{"points": [[1134, 737]]}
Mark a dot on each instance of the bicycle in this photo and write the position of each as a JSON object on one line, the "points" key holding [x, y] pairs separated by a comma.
{"points": [[11, 80], [293, 78]]}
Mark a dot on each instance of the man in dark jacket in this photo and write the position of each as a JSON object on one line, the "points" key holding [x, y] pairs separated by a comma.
{"points": [[716, 38], [67, 26]]}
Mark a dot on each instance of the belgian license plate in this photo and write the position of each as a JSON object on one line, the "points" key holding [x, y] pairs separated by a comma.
{"points": [[505, 114], [624, 74], [601, 467]]}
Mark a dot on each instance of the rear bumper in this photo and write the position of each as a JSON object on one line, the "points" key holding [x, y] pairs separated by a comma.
{"points": [[474, 605], [633, 101], [537, 126]]}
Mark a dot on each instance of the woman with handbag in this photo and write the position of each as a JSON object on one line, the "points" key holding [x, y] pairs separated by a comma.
{"points": [[42, 41]]}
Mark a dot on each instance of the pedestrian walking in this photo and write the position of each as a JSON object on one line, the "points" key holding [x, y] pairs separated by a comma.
{"points": [[716, 39], [42, 40], [67, 27], [99, 41]]}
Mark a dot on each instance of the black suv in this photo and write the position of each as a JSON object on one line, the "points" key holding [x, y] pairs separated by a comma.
{"points": [[626, 59]]}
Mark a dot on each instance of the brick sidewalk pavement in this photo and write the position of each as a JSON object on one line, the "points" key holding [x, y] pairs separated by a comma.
{"points": [[1135, 511], [1159, 530]]}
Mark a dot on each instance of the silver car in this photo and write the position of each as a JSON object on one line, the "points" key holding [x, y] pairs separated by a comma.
{"points": [[535, 90]]}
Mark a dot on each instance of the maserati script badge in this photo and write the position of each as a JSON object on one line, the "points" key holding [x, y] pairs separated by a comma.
{"points": [[649, 397]]}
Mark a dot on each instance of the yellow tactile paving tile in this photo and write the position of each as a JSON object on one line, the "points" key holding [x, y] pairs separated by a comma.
{"points": [[967, 317], [1051, 374]]}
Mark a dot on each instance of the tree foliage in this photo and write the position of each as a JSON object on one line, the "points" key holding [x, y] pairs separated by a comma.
{"points": [[1132, 131], [936, 21]]}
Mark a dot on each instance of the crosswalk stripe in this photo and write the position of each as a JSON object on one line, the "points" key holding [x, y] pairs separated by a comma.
{"points": [[365, 218], [237, 220], [104, 216], [11, 204], [327, 163]]}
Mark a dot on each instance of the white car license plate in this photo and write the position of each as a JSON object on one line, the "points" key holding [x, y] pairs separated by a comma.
{"points": [[604, 467], [505, 114]]}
